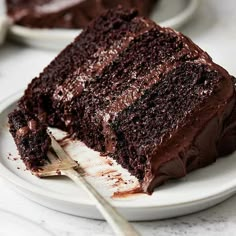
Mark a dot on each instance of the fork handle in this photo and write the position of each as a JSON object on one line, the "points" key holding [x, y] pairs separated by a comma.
{"points": [[119, 224], [4, 25]]}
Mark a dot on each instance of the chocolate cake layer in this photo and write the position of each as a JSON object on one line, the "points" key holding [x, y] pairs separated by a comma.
{"points": [[146, 95], [67, 13], [147, 53], [80, 63]]}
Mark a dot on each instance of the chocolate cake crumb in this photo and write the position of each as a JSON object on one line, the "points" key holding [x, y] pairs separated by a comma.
{"points": [[32, 145]]}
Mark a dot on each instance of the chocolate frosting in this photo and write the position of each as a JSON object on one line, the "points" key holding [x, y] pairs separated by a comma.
{"points": [[32, 124], [193, 146], [22, 131]]}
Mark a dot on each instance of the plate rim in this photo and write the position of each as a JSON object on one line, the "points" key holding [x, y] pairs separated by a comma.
{"points": [[179, 19], [16, 181], [63, 34]]}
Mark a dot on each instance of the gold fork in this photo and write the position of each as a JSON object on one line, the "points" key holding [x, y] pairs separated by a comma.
{"points": [[62, 164]]}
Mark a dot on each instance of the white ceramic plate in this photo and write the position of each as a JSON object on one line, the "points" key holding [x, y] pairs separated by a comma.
{"points": [[167, 13], [12, 224], [199, 190]]}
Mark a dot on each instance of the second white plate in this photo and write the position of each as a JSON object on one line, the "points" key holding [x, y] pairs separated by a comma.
{"points": [[166, 13]]}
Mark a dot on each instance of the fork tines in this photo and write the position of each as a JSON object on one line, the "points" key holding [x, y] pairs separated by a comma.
{"points": [[58, 160]]}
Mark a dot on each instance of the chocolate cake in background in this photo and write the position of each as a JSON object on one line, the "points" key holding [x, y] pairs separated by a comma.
{"points": [[143, 94], [67, 13]]}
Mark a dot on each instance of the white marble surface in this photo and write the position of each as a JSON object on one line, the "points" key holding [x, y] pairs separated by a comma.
{"points": [[213, 28]]}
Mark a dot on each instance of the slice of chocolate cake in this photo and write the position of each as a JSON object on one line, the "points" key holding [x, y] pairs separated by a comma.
{"points": [[146, 95], [67, 13]]}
